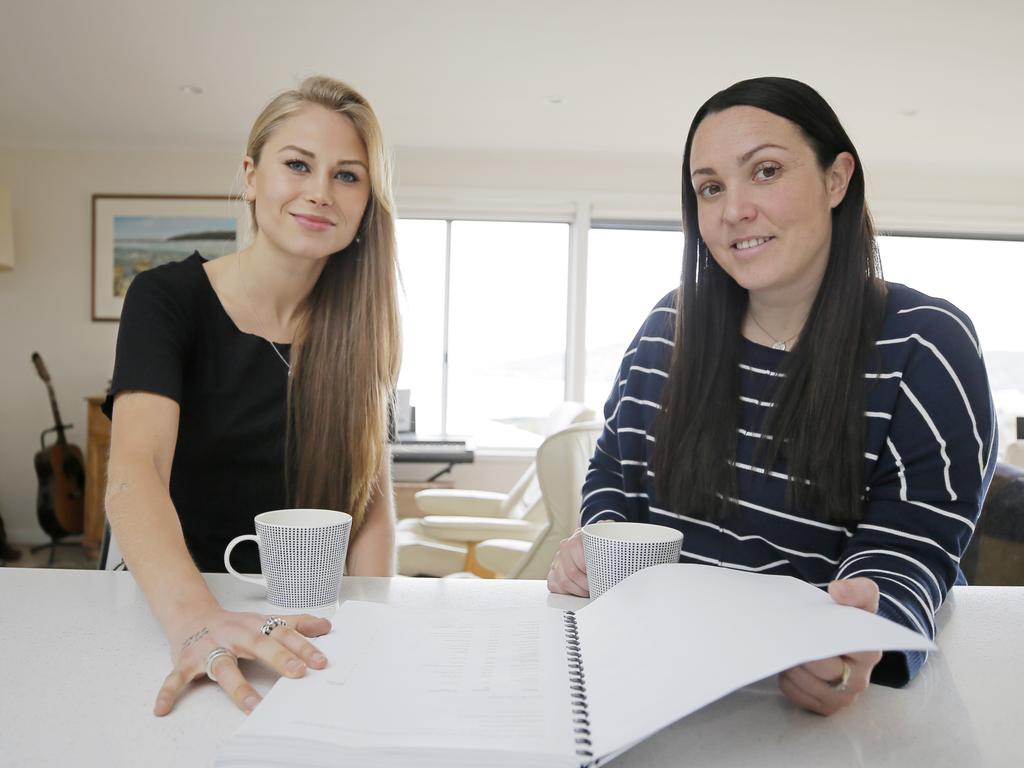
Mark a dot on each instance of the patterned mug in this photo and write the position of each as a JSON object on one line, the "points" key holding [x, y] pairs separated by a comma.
{"points": [[302, 555], [614, 551]]}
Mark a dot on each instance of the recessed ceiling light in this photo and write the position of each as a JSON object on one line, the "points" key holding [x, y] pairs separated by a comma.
{"points": [[192, 90]]}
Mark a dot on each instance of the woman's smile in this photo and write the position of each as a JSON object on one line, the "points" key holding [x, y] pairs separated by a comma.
{"points": [[314, 223], [750, 246]]}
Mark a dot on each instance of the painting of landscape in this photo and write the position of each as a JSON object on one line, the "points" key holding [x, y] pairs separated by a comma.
{"points": [[132, 233], [144, 242]]}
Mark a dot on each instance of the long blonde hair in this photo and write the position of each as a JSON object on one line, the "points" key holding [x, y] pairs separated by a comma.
{"points": [[345, 355]]}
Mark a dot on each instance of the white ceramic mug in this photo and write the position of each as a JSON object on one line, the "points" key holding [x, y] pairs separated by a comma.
{"points": [[614, 551], [302, 555]]}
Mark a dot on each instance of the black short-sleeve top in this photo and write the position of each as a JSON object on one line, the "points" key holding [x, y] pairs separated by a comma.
{"points": [[176, 340]]}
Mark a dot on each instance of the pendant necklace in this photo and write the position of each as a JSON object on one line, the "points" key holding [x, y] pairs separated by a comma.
{"points": [[259, 323], [779, 344]]}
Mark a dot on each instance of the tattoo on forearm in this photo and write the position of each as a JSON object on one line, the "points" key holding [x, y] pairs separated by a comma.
{"points": [[115, 489], [197, 636]]}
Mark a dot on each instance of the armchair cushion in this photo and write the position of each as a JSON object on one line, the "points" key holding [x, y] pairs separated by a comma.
{"points": [[473, 529], [501, 555], [453, 501], [420, 555]]}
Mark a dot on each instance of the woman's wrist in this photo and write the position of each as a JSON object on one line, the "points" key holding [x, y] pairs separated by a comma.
{"points": [[190, 627], [182, 615]]}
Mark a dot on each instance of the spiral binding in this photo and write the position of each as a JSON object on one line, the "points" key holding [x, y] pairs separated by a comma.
{"points": [[577, 687]]}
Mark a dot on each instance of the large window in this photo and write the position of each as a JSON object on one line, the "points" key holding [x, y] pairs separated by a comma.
{"points": [[628, 271], [490, 306], [422, 253], [485, 325], [983, 278]]}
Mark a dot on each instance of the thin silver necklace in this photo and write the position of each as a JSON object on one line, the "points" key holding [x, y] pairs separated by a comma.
{"points": [[779, 343], [259, 323]]}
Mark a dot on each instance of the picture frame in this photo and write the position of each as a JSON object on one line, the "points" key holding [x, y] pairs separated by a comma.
{"points": [[132, 233]]}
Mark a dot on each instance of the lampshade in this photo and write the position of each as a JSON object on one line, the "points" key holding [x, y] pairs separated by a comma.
{"points": [[6, 232]]}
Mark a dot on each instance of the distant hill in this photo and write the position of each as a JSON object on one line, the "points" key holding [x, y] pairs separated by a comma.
{"points": [[214, 235]]}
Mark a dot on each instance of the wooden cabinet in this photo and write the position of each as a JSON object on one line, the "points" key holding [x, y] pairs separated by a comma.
{"points": [[96, 452]]}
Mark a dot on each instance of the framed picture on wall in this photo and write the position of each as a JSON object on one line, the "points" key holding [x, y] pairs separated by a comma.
{"points": [[133, 233]]}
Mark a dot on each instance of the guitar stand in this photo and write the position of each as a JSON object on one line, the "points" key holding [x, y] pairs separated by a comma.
{"points": [[52, 546]]}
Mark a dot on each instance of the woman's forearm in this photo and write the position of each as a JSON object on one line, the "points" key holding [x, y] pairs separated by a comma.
{"points": [[372, 551], [149, 535]]}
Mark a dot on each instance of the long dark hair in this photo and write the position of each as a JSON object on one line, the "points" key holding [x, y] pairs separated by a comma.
{"points": [[818, 422]]}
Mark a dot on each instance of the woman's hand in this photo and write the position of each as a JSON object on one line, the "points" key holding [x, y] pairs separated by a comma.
{"points": [[568, 574], [284, 650], [828, 685]]}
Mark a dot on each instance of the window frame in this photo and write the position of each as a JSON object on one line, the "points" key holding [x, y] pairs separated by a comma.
{"points": [[585, 211], [496, 210]]}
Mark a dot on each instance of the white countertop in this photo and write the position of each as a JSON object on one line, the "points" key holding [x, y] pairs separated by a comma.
{"points": [[81, 660]]}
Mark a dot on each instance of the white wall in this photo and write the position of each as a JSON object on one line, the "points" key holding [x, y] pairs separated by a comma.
{"points": [[45, 301]]}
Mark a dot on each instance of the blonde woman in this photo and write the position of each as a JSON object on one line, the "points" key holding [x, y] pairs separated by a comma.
{"points": [[262, 380]]}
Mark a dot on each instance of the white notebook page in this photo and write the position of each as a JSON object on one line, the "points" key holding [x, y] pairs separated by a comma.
{"points": [[422, 686], [673, 638], [490, 680]]}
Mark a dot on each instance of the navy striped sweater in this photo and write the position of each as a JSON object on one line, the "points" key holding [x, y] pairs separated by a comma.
{"points": [[929, 457]]}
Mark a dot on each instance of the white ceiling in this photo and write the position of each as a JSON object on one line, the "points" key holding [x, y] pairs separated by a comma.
{"points": [[915, 82]]}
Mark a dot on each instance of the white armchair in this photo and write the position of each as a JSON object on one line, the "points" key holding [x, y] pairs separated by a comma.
{"points": [[562, 463], [444, 541]]}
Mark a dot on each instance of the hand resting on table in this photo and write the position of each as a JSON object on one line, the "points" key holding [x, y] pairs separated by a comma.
{"points": [[285, 650]]}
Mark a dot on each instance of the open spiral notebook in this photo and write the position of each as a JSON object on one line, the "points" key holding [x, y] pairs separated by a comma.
{"points": [[544, 687]]}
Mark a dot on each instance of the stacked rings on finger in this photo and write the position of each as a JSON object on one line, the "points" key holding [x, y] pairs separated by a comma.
{"points": [[272, 623], [215, 654], [840, 683]]}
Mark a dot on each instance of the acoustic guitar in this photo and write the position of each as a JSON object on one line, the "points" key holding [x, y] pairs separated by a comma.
{"points": [[60, 504]]}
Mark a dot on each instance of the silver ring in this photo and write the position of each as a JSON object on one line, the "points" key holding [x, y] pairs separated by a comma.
{"points": [[272, 623], [212, 656], [840, 683]]}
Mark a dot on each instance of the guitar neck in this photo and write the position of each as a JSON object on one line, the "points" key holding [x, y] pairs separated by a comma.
{"points": [[58, 424], [44, 374]]}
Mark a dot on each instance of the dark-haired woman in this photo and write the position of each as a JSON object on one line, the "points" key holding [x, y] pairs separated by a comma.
{"points": [[288, 347], [786, 408]]}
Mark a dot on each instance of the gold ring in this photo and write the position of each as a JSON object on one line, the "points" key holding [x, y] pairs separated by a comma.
{"points": [[840, 683]]}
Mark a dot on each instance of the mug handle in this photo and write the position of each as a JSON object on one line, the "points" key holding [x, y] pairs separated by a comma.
{"points": [[227, 560]]}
